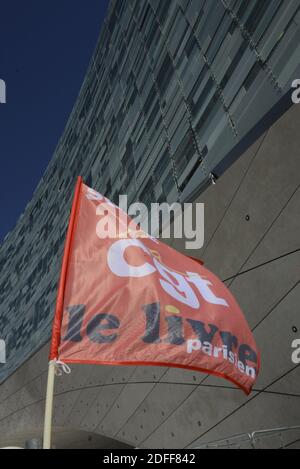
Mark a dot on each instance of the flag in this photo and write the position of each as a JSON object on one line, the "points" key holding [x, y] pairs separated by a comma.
{"points": [[126, 298]]}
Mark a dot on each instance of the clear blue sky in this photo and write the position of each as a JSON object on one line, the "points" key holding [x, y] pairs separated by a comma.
{"points": [[45, 49]]}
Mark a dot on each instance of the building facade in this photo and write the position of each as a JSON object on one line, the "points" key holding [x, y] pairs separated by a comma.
{"points": [[177, 92]]}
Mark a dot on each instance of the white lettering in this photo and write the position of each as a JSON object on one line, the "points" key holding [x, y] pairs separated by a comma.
{"points": [[296, 93], [176, 286], [204, 290], [296, 353], [193, 344], [173, 283], [2, 92], [120, 267], [196, 235], [2, 351]]}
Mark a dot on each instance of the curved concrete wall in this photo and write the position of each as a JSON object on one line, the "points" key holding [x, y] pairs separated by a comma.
{"points": [[259, 258]]}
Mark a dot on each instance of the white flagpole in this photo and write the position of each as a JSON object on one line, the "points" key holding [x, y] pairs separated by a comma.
{"points": [[49, 406], [57, 322]]}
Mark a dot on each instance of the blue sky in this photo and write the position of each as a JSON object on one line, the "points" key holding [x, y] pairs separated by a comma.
{"points": [[45, 49]]}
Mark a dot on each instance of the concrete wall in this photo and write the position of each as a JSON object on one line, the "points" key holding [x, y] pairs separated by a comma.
{"points": [[259, 258]]}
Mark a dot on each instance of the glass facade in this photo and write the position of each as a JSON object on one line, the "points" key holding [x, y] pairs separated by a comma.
{"points": [[172, 88]]}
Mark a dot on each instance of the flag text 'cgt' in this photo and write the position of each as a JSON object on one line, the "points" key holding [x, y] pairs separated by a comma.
{"points": [[132, 300]]}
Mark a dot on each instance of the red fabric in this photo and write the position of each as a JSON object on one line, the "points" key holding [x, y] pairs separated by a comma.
{"points": [[56, 328], [136, 301]]}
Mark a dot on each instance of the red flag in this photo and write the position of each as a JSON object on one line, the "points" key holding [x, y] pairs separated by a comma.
{"points": [[129, 299]]}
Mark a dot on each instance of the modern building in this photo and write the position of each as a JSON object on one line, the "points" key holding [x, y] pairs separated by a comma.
{"points": [[178, 94]]}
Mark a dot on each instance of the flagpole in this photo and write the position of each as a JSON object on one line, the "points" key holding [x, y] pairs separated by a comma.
{"points": [[49, 406], [56, 333]]}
